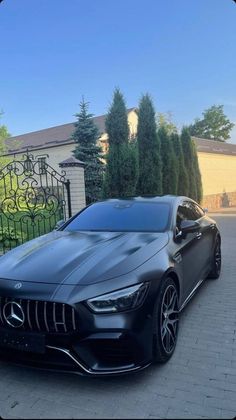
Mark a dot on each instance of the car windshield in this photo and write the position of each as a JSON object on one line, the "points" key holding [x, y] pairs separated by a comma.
{"points": [[122, 216]]}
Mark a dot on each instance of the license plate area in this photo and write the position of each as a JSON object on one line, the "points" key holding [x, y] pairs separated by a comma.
{"points": [[22, 341]]}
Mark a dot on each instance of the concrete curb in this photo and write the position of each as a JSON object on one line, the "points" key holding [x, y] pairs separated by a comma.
{"points": [[222, 214]]}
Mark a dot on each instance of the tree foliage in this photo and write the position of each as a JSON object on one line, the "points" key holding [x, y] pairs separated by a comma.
{"points": [[4, 134], [122, 164], [214, 125], [169, 163], [191, 164], [165, 120], [117, 122], [86, 136], [150, 170], [198, 177], [182, 176], [4, 160]]}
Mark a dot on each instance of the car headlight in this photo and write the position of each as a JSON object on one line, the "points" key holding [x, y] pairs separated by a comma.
{"points": [[121, 300]]}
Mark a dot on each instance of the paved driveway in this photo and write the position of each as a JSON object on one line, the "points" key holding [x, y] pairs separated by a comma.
{"points": [[199, 381]]}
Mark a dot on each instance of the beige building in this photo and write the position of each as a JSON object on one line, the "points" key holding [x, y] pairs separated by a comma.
{"points": [[55, 144], [217, 160]]}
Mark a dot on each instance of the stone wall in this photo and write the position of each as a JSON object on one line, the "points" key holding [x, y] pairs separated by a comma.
{"points": [[218, 201]]}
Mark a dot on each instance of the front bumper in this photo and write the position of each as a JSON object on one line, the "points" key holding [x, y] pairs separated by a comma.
{"points": [[89, 343], [63, 360], [109, 344]]}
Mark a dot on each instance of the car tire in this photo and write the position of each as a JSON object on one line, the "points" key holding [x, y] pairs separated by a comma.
{"points": [[216, 263], [165, 321]]}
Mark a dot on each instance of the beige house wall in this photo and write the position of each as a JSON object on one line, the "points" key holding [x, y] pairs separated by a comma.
{"points": [[57, 154], [54, 155], [218, 173], [133, 125], [133, 122]]}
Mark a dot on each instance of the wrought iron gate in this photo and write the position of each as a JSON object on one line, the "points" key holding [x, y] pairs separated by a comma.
{"points": [[33, 198]]}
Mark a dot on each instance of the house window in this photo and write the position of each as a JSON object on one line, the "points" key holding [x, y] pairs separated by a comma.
{"points": [[28, 166], [42, 165]]}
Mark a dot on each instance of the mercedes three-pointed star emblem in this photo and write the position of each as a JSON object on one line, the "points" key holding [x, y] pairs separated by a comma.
{"points": [[14, 314]]}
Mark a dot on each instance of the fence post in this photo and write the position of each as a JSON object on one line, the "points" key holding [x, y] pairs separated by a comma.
{"points": [[74, 170]]}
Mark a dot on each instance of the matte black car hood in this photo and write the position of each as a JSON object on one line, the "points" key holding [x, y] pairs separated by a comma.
{"points": [[62, 257]]}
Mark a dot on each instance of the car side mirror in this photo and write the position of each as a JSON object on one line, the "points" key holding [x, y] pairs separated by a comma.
{"points": [[187, 226], [205, 210], [59, 224]]}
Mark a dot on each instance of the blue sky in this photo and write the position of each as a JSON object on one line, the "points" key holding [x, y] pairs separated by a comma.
{"points": [[183, 52]]}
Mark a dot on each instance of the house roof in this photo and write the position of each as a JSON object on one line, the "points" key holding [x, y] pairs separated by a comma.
{"points": [[215, 147], [61, 135], [49, 137]]}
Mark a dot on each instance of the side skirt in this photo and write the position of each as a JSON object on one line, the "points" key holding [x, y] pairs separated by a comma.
{"points": [[191, 295]]}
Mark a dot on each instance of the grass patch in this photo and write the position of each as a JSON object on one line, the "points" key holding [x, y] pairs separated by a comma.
{"points": [[20, 227]]}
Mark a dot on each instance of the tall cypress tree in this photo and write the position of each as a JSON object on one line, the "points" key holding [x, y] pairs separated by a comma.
{"points": [[122, 166], [86, 136], [182, 176], [169, 164], [188, 161], [10, 183], [199, 190], [150, 171], [191, 164]]}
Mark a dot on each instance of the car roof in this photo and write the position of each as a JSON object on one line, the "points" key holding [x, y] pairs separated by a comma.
{"points": [[150, 198]]}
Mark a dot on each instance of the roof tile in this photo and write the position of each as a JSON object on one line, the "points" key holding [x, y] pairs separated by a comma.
{"points": [[48, 137]]}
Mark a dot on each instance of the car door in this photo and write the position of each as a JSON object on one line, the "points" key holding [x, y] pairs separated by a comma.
{"points": [[189, 251], [207, 237]]}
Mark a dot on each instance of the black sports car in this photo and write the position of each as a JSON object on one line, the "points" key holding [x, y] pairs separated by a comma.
{"points": [[102, 294]]}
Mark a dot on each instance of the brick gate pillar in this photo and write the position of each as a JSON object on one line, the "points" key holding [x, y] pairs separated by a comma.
{"points": [[74, 170]]}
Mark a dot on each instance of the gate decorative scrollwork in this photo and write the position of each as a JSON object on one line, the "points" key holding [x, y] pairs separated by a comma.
{"points": [[33, 197]]}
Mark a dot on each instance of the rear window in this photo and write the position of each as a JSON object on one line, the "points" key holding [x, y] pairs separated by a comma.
{"points": [[122, 216]]}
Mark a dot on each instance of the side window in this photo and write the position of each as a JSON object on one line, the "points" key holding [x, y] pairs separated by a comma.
{"points": [[42, 165], [28, 166], [182, 214], [192, 213], [187, 211], [199, 211]]}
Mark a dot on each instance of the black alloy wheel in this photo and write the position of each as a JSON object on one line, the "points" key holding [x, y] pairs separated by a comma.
{"points": [[216, 264], [166, 320]]}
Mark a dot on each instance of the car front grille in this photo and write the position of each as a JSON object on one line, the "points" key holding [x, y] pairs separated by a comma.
{"points": [[48, 317]]}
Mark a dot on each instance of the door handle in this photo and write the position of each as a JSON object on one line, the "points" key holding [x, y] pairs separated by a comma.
{"points": [[199, 235]]}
